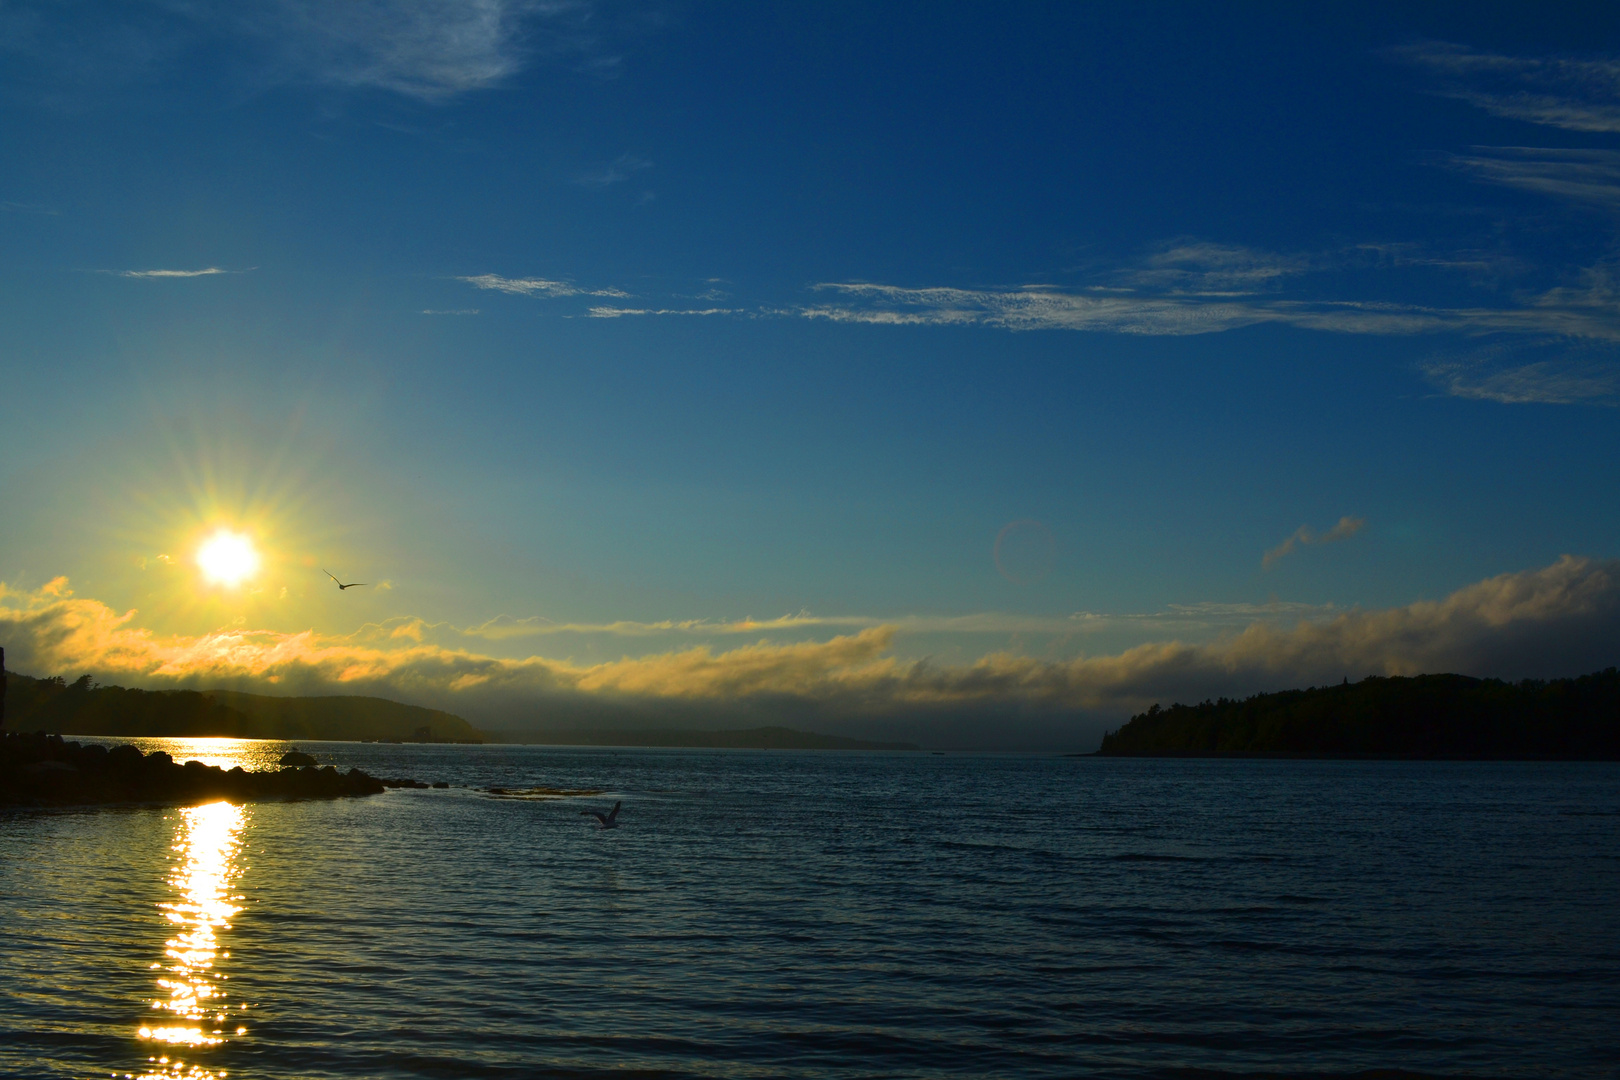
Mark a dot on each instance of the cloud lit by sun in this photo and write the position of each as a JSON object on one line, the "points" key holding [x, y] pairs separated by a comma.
{"points": [[227, 558]]}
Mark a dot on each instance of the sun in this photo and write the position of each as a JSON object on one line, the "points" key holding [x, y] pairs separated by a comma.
{"points": [[228, 558]]}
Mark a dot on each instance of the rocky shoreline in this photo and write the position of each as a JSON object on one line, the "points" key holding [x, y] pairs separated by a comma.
{"points": [[45, 770]]}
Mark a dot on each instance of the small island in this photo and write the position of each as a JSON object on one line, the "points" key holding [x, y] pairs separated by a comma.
{"points": [[1423, 716]]}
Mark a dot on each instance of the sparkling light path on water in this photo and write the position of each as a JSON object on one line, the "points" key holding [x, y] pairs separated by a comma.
{"points": [[195, 1015]]}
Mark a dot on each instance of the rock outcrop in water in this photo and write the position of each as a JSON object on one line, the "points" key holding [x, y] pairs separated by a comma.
{"points": [[1425, 716], [43, 770]]}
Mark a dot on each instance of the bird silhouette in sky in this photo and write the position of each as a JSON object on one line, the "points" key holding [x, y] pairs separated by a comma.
{"points": [[609, 820], [340, 584]]}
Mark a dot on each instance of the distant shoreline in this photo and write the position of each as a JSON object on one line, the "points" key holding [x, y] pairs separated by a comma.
{"points": [[1289, 755], [760, 738], [1418, 718]]}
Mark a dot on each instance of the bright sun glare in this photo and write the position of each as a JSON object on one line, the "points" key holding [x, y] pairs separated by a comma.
{"points": [[227, 558]]}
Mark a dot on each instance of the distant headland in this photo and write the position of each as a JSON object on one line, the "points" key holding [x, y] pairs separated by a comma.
{"points": [[1423, 716], [56, 706]]}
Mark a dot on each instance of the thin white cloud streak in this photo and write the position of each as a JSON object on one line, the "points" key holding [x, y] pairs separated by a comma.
{"points": [[1542, 383], [1187, 288], [207, 272], [1547, 371], [1042, 308], [1563, 92], [1558, 620], [539, 287], [1345, 528], [1204, 268], [619, 313], [1588, 176]]}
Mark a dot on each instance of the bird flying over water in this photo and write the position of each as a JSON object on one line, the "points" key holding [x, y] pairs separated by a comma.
{"points": [[609, 820], [340, 584]]}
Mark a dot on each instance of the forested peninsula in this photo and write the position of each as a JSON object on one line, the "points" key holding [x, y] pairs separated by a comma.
{"points": [[58, 707], [1423, 716]]}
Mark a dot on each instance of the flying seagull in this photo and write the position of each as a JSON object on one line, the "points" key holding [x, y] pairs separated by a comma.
{"points": [[340, 584], [609, 820]]}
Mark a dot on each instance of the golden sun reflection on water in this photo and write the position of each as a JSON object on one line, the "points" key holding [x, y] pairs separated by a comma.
{"points": [[196, 1014], [221, 750]]}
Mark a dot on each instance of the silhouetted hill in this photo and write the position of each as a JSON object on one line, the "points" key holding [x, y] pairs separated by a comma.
{"points": [[55, 706], [761, 738], [345, 717], [1426, 716]]}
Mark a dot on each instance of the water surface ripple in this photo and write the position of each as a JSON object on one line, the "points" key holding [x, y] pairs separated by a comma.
{"points": [[826, 915]]}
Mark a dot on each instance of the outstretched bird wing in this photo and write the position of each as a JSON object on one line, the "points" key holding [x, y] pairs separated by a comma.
{"points": [[597, 814], [331, 575], [612, 814], [352, 584]]}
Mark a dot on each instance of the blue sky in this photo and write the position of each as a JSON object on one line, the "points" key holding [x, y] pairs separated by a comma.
{"points": [[586, 332]]}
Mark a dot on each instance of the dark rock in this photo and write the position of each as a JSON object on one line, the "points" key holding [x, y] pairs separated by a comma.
{"points": [[124, 757], [297, 759], [441, 783], [41, 770]]}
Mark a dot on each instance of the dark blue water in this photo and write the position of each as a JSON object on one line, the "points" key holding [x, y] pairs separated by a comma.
{"points": [[827, 915]]}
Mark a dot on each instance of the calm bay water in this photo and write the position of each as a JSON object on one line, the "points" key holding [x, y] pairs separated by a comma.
{"points": [[825, 915]]}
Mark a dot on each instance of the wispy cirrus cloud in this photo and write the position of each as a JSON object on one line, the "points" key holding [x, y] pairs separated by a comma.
{"points": [[619, 313], [1192, 287], [538, 287], [1544, 383], [429, 50], [1345, 528], [1122, 311], [1584, 176], [1558, 620], [209, 271], [1517, 379], [1204, 268], [1576, 94], [1541, 369]]}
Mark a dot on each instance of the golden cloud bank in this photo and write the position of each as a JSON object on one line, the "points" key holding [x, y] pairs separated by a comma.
{"points": [[1559, 620]]}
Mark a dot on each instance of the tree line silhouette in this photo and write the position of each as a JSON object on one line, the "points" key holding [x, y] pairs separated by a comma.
{"points": [[1423, 716], [55, 706]]}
